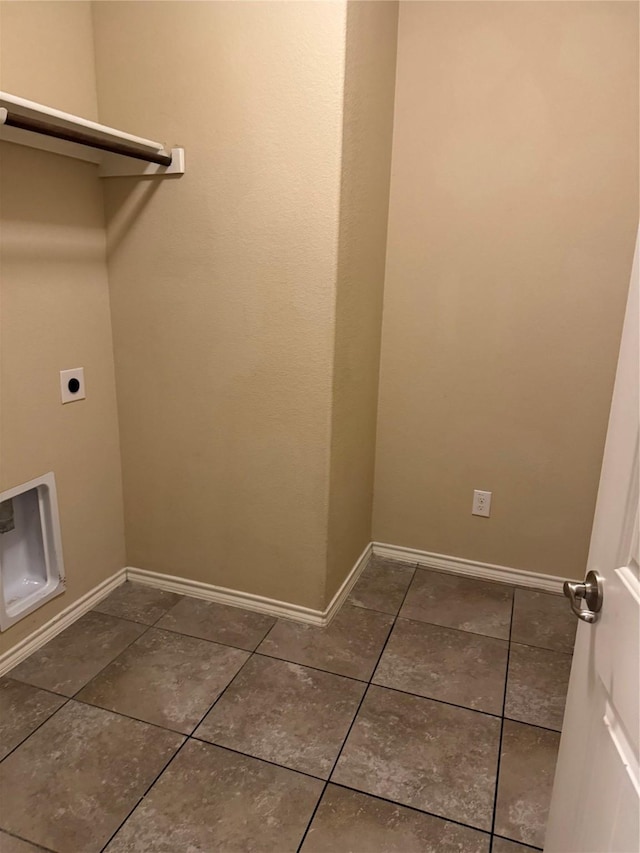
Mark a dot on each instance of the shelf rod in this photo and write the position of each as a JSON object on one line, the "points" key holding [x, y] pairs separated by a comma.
{"points": [[82, 138]]}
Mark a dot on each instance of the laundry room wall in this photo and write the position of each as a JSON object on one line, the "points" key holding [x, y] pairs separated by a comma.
{"points": [[54, 305], [513, 214]]}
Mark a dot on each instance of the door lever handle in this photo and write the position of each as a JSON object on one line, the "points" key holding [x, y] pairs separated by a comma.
{"points": [[590, 591]]}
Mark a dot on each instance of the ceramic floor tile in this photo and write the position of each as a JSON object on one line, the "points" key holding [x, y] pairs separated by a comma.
{"points": [[211, 621], [378, 561], [537, 686], [382, 586], [351, 821], [22, 709], [458, 602], [527, 767], [210, 799], [445, 664], [425, 754], [285, 713], [71, 784], [11, 844], [543, 619], [503, 845], [75, 656], [350, 645], [165, 678], [137, 602]]}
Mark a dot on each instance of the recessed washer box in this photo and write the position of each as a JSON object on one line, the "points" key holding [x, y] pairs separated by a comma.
{"points": [[31, 565]]}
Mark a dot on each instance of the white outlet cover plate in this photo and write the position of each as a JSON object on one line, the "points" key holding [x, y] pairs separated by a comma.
{"points": [[66, 376], [481, 503]]}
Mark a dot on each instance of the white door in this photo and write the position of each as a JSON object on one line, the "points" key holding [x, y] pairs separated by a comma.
{"points": [[596, 795]]}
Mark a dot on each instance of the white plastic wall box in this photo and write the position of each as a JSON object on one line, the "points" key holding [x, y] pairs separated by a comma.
{"points": [[31, 564]]}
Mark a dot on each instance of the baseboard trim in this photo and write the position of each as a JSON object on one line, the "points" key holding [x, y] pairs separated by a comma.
{"points": [[282, 609], [12, 657], [470, 568], [248, 601], [224, 595], [270, 606], [347, 585]]}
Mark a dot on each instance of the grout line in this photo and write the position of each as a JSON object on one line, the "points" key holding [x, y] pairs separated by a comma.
{"points": [[315, 668], [144, 794], [355, 717], [9, 677], [121, 652], [451, 628], [192, 738], [494, 581], [73, 696], [173, 606], [257, 758], [533, 725], [411, 808], [515, 841], [220, 695], [282, 660], [396, 564], [351, 603], [269, 630], [371, 609], [129, 717], [205, 639], [187, 738], [121, 618], [542, 648], [504, 704], [24, 739], [327, 780], [164, 767], [26, 840], [439, 701], [278, 619]]}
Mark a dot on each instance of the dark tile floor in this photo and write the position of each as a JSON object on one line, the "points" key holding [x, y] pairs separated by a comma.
{"points": [[425, 718]]}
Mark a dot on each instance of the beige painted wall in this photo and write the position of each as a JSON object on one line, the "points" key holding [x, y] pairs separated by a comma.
{"points": [[514, 204], [246, 295], [55, 305], [223, 286], [364, 200]]}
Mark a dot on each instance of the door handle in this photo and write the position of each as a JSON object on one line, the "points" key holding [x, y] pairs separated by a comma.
{"points": [[590, 591]]}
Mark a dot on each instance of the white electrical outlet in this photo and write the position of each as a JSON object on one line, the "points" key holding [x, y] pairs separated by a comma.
{"points": [[481, 503], [72, 385]]}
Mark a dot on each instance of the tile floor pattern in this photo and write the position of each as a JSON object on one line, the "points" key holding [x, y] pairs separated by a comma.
{"points": [[425, 718]]}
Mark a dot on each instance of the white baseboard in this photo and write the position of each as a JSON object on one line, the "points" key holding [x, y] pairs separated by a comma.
{"points": [[54, 626], [209, 592], [248, 601], [270, 606], [347, 585], [224, 595], [470, 568]]}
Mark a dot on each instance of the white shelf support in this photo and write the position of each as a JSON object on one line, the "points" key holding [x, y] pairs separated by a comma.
{"points": [[117, 153]]}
